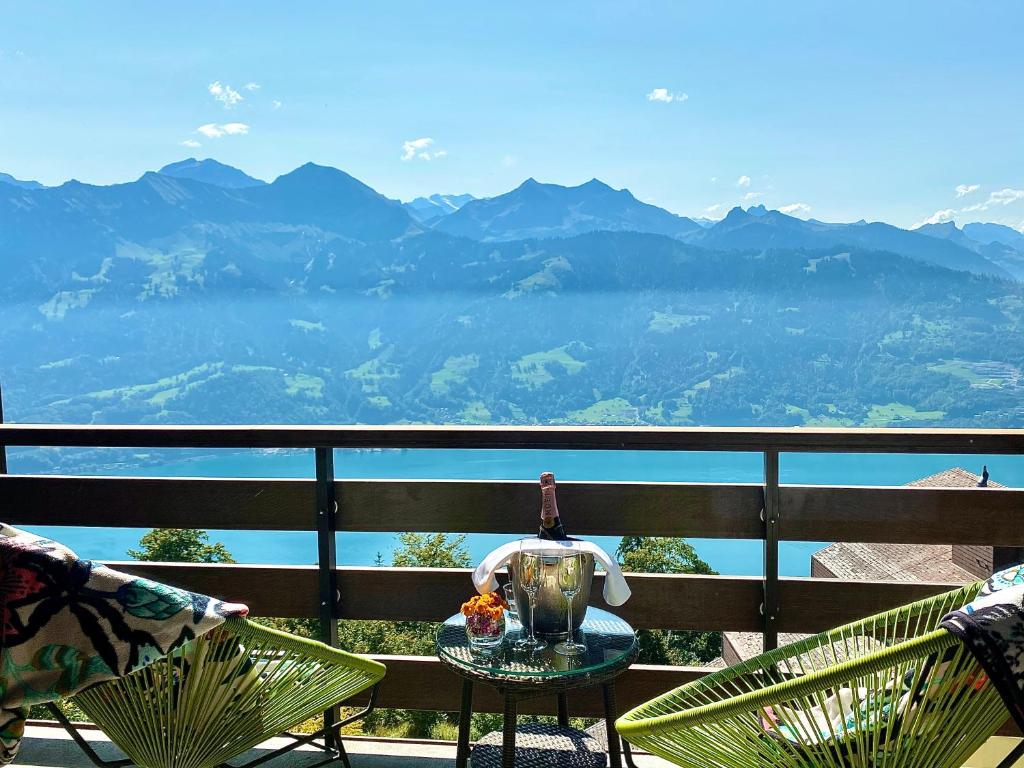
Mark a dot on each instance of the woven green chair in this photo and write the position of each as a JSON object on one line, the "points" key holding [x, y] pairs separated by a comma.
{"points": [[903, 692], [223, 694]]}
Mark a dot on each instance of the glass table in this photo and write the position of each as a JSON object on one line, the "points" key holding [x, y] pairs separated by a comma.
{"points": [[518, 675]]}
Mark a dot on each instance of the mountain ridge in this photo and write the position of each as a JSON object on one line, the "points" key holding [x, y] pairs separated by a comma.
{"points": [[210, 171]]}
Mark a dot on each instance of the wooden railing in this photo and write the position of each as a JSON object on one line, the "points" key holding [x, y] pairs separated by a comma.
{"points": [[770, 512]]}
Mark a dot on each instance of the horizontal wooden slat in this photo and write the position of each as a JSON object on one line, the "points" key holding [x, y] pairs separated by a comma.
{"points": [[158, 502], [450, 506], [814, 605], [796, 439], [659, 601], [606, 509], [423, 682], [282, 591], [903, 515], [809, 513]]}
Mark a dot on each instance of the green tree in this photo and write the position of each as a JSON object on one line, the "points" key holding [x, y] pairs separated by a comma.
{"points": [[180, 545], [657, 554]]}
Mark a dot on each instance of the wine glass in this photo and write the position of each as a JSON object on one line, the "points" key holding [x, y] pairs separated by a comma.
{"points": [[570, 582], [513, 608], [529, 579]]}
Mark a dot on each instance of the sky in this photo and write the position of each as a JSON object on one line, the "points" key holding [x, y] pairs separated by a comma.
{"points": [[899, 111]]}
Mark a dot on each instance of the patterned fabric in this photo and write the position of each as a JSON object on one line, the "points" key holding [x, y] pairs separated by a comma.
{"points": [[992, 628], [840, 715], [71, 623]]}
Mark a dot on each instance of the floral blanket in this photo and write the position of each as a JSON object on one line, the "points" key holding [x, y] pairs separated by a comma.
{"points": [[71, 623], [992, 628]]}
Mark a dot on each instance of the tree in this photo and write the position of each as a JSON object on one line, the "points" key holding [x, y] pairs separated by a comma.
{"points": [[435, 550], [657, 554], [180, 545]]}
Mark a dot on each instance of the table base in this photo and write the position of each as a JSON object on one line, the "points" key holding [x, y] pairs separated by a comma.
{"points": [[528, 752], [537, 744]]}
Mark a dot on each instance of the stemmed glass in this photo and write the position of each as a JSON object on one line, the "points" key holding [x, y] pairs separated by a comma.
{"points": [[529, 579], [570, 582]]}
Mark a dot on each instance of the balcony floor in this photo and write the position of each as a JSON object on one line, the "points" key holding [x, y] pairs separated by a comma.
{"points": [[51, 747]]}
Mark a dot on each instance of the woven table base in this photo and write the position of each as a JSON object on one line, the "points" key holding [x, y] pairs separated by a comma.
{"points": [[543, 746]]}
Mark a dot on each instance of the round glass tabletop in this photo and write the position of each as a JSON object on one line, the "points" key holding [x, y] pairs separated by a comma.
{"points": [[610, 641]]}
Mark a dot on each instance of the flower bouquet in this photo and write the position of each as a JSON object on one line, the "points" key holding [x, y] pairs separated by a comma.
{"points": [[485, 621]]}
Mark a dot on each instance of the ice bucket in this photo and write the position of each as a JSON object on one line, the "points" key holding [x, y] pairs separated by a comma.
{"points": [[552, 614]]}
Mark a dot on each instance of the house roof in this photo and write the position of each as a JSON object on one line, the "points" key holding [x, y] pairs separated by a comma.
{"points": [[894, 562], [903, 562]]}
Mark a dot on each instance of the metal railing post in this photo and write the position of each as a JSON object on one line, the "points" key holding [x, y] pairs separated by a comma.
{"points": [[3, 448], [770, 518], [327, 561]]}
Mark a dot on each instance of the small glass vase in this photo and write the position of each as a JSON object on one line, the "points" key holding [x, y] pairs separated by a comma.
{"points": [[485, 634]]}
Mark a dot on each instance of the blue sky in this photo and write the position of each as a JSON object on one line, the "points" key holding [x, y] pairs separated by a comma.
{"points": [[874, 110]]}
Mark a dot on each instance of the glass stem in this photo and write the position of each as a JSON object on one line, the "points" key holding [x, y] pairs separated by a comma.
{"points": [[568, 640], [533, 604]]}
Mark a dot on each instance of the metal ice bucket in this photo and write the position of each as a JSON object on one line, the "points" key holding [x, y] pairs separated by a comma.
{"points": [[552, 614]]}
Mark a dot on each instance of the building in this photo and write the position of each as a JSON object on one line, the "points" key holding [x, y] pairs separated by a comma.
{"points": [[895, 562]]}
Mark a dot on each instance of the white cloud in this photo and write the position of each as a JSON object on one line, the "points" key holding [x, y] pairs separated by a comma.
{"points": [[217, 130], [508, 161], [796, 209], [999, 197], [713, 208], [743, 181], [252, 86], [421, 148], [1006, 196], [963, 190], [713, 179], [939, 217], [753, 195], [276, 104], [665, 96], [225, 94], [191, 143]]}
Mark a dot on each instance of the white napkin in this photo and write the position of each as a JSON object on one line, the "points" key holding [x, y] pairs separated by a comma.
{"points": [[616, 590]]}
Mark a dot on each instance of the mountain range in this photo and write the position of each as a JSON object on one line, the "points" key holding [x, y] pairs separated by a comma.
{"points": [[341, 204], [195, 295]]}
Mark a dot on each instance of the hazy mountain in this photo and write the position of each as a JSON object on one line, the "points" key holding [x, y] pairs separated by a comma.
{"points": [[6, 178], [741, 230], [429, 210], [77, 228], [996, 251], [995, 233], [535, 210], [261, 323], [210, 171], [332, 200]]}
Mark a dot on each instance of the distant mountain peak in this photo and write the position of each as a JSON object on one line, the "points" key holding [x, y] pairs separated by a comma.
{"points": [[430, 210], [209, 171], [536, 210], [735, 215], [757, 210], [6, 178]]}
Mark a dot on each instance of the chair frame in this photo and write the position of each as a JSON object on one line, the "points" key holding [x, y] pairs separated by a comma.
{"points": [[327, 738], [727, 704]]}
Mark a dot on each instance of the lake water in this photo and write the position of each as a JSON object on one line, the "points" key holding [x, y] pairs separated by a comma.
{"points": [[737, 557]]}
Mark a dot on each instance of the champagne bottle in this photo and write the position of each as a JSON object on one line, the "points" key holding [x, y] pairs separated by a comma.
{"points": [[550, 523]]}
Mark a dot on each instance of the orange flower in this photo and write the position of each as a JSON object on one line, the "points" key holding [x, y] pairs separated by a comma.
{"points": [[491, 605]]}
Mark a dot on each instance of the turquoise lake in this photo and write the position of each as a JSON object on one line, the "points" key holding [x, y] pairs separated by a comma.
{"points": [[738, 557]]}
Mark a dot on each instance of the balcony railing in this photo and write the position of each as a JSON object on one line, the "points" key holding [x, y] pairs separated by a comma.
{"points": [[769, 511]]}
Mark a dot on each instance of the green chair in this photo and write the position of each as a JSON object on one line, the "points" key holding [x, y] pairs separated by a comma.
{"points": [[902, 692], [223, 694]]}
